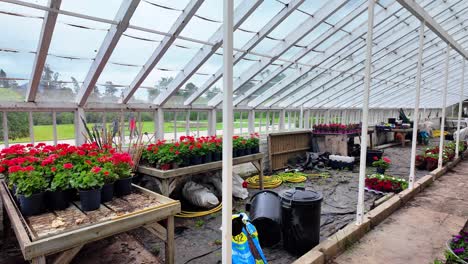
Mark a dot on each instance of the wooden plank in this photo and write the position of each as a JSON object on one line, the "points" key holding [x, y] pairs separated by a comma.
{"points": [[196, 168], [17, 224], [68, 255], [158, 230], [98, 231], [39, 260], [170, 254]]}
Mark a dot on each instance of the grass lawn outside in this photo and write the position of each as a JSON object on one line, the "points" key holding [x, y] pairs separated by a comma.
{"points": [[67, 131]]}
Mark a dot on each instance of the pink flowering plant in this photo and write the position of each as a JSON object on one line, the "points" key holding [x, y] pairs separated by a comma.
{"points": [[383, 163]]}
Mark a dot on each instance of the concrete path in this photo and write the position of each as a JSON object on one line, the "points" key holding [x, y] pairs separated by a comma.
{"points": [[417, 233]]}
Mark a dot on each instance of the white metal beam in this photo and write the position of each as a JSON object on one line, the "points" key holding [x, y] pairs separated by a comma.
{"points": [[47, 30], [126, 10], [257, 38], [290, 40], [242, 12], [460, 108], [228, 130], [165, 44], [421, 14]]}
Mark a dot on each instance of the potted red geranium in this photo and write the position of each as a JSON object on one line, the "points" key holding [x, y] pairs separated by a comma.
{"points": [[89, 184], [381, 164], [122, 167], [58, 195], [30, 188]]}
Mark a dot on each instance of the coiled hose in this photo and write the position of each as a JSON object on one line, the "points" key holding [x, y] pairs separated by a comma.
{"points": [[188, 214]]}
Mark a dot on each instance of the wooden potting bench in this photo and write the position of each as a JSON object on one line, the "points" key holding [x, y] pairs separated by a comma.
{"points": [[402, 131], [168, 178], [67, 231]]}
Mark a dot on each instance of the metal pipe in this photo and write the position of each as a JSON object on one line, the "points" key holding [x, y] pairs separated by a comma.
{"points": [[444, 105], [460, 108]]}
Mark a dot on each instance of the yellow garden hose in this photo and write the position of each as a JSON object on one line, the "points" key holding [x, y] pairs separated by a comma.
{"points": [[188, 214], [293, 177], [269, 182]]}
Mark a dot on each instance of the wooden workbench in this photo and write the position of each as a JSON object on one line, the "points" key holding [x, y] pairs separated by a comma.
{"points": [[336, 143], [402, 131], [168, 178], [67, 231]]}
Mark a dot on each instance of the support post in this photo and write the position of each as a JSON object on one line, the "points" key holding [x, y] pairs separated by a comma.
{"points": [[268, 122], [187, 123], [31, 127], [282, 117], [228, 9], [54, 127], [79, 126], [444, 105], [5, 129], [251, 120], [307, 119], [460, 108], [160, 124], [416, 107], [212, 122], [365, 112]]}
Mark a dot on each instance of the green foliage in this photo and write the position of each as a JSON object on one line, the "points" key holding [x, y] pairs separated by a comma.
{"points": [[87, 180], [18, 125], [61, 180], [199, 223], [30, 182]]}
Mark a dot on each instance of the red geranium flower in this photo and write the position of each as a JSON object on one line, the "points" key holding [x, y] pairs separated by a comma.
{"points": [[96, 169], [67, 166]]}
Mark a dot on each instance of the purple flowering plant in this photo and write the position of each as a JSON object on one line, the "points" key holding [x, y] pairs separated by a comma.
{"points": [[459, 245]]}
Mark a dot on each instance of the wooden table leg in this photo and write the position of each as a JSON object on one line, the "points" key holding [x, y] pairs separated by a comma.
{"points": [[39, 260], [260, 173], [170, 254], [403, 136], [67, 256], [165, 187]]}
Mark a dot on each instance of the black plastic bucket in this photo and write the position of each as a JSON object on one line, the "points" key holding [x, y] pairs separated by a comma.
{"points": [[301, 209], [265, 215]]}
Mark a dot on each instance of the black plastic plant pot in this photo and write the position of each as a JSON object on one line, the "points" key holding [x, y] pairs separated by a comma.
{"points": [[234, 153], [107, 192], [216, 156], [185, 162], [196, 160], [380, 170], [123, 187], [32, 205], [72, 194], [256, 149], [208, 157], [265, 214], [248, 151], [90, 199], [57, 200], [240, 152]]}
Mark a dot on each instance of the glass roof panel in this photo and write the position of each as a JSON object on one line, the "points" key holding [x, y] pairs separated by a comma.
{"points": [[149, 15], [103, 9]]}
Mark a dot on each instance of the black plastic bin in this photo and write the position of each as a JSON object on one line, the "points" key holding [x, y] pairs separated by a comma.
{"points": [[301, 210], [265, 214]]}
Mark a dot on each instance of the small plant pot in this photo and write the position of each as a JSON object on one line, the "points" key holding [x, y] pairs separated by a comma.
{"points": [[123, 186], [58, 200], [421, 165], [216, 156], [256, 149], [431, 165], [208, 157], [185, 162], [248, 151], [380, 170], [196, 160], [90, 199], [234, 153], [240, 152], [32, 205], [72, 194], [107, 192], [175, 165]]}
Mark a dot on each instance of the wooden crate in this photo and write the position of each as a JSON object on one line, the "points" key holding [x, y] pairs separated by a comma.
{"points": [[285, 145]]}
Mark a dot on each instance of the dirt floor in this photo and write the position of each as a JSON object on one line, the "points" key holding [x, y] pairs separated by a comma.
{"points": [[201, 236], [417, 233]]}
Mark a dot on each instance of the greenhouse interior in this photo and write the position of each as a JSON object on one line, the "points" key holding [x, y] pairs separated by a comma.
{"points": [[233, 131]]}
